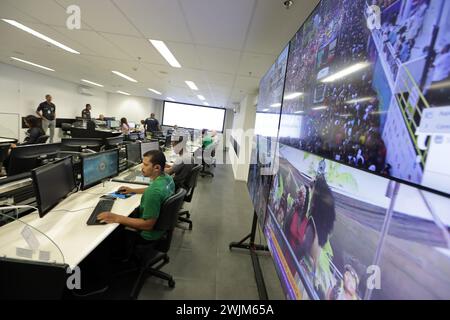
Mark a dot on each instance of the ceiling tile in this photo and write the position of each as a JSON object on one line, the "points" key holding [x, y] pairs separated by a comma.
{"points": [[157, 19], [103, 15], [255, 65], [218, 60], [218, 23]]}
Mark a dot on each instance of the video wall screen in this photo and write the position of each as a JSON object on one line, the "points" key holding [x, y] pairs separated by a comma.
{"points": [[266, 134], [324, 228], [360, 89], [193, 116]]}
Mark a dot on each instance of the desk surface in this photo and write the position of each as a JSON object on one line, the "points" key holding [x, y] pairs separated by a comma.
{"points": [[67, 229]]}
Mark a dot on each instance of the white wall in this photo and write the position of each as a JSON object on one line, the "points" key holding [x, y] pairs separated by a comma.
{"points": [[21, 92], [243, 121], [134, 109]]}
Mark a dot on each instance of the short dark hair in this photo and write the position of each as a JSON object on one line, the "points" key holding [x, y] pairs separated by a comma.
{"points": [[88, 105], [32, 121], [157, 157]]}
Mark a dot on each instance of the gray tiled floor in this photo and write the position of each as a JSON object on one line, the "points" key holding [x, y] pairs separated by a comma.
{"points": [[201, 263]]}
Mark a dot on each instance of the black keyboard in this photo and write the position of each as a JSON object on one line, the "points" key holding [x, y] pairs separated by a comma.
{"points": [[103, 205]]}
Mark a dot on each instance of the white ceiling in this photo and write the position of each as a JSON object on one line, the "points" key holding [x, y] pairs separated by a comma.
{"points": [[224, 46]]}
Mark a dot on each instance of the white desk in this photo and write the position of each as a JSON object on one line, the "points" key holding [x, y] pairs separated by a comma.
{"points": [[67, 229]]}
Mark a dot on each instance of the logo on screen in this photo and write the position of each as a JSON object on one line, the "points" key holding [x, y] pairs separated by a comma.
{"points": [[373, 17], [74, 20]]}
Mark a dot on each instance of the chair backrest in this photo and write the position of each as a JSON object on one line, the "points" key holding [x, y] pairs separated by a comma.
{"points": [[42, 139], [209, 152], [66, 126], [168, 218], [192, 182]]}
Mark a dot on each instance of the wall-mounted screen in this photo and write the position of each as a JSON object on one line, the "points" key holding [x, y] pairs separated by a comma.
{"points": [[193, 116], [374, 96]]}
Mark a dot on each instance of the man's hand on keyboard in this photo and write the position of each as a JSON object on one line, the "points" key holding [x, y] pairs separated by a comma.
{"points": [[108, 217]]}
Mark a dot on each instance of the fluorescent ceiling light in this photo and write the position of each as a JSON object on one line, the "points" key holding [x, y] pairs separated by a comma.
{"points": [[93, 83], [201, 97], [124, 93], [154, 91], [124, 76], [39, 35], [276, 105], [293, 96], [298, 112], [206, 104], [165, 52], [192, 85], [265, 110], [365, 99], [345, 72], [320, 108], [170, 98], [32, 64]]}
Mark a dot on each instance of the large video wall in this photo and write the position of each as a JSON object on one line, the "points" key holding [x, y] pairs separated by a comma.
{"points": [[358, 206]]}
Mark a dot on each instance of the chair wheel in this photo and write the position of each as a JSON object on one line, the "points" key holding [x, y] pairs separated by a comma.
{"points": [[171, 284], [188, 216], [166, 260], [190, 227]]}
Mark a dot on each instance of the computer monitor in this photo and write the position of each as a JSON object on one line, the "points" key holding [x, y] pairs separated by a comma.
{"points": [[149, 146], [98, 167], [114, 141], [77, 144], [113, 124], [168, 143], [26, 158], [52, 183], [132, 125], [134, 153]]}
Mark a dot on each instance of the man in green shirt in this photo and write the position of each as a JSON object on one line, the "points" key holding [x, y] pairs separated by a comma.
{"points": [[161, 188]]}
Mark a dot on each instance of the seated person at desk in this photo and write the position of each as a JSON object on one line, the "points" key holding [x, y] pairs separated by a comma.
{"points": [[153, 197], [182, 168], [33, 134], [206, 139], [101, 118], [124, 126]]}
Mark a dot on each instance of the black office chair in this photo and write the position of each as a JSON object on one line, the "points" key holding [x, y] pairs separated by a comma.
{"points": [[185, 216], [42, 139], [153, 257], [66, 127], [208, 159]]}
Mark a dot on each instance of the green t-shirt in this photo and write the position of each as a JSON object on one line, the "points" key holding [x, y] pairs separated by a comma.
{"points": [[207, 140], [154, 196]]}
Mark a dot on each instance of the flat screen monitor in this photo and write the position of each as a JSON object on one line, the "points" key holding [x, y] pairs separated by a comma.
{"points": [[374, 97], [149, 146], [99, 167], [113, 124], [52, 183], [132, 125], [193, 116], [134, 155]]}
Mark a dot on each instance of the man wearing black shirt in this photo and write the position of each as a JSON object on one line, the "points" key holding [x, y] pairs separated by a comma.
{"points": [[152, 125], [86, 113], [47, 112]]}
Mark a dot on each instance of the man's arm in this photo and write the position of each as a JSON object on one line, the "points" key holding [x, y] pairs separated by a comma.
{"points": [[38, 112], [128, 190], [138, 224]]}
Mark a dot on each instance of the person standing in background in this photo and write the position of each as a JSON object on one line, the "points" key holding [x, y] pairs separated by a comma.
{"points": [[47, 112], [86, 113], [152, 125]]}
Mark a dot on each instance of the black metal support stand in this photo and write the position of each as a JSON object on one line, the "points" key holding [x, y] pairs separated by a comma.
{"points": [[253, 248]]}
